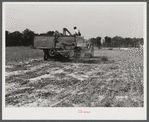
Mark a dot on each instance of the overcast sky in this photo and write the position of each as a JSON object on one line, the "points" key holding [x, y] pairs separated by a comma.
{"points": [[92, 19]]}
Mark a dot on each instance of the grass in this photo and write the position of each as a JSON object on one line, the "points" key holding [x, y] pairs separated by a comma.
{"points": [[131, 62], [22, 54]]}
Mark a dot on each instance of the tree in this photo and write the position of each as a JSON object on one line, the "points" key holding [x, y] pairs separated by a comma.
{"points": [[92, 40], [42, 34], [7, 37], [98, 41], [50, 33], [141, 41], [17, 38], [108, 41], [117, 41], [14, 38], [28, 37]]}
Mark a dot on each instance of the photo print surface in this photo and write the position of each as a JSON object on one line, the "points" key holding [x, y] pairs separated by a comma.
{"points": [[76, 59]]}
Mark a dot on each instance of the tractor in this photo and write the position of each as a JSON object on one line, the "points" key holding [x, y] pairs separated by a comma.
{"points": [[68, 46]]}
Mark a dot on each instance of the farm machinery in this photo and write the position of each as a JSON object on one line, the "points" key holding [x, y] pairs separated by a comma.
{"points": [[68, 46]]}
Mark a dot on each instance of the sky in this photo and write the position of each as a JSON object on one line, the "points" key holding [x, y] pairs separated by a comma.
{"points": [[93, 19]]}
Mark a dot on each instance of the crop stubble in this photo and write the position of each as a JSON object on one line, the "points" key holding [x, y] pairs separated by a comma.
{"points": [[112, 78]]}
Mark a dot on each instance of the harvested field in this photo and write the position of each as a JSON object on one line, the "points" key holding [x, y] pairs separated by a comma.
{"points": [[112, 78]]}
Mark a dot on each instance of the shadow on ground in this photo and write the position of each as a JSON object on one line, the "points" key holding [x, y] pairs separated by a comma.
{"points": [[93, 60]]}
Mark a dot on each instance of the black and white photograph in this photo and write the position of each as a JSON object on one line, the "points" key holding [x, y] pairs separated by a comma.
{"points": [[74, 60]]}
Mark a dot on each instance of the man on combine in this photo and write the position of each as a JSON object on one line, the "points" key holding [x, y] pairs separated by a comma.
{"points": [[77, 32]]}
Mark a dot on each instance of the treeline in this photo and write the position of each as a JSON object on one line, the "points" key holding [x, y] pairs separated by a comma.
{"points": [[117, 41], [25, 38]]}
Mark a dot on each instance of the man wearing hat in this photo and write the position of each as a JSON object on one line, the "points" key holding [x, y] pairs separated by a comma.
{"points": [[77, 32]]}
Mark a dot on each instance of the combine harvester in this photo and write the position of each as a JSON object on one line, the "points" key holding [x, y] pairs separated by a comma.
{"points": [[69, 46]]}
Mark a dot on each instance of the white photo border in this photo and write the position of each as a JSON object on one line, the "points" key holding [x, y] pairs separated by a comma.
{"points": [[72, 113]]}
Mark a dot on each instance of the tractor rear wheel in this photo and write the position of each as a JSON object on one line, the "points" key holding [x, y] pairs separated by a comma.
{"points": [[52, 52]]}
